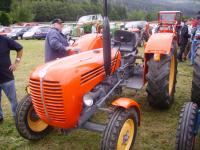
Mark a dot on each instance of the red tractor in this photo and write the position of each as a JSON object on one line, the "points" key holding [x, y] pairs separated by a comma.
{"points": [[67, 92]]}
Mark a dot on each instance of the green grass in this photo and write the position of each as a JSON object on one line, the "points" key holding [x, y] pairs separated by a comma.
{"points": [[157, 130]]}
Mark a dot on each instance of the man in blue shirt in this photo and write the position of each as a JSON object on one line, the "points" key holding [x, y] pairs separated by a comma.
{"points": [[194, 41], [7, 83], [56, 44]]}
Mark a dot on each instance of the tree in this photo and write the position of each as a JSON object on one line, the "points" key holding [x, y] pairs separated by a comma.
{"points": [[136, 15], [5, 5], [94, 2], [4, 19], [22, 11], [150, 16]]}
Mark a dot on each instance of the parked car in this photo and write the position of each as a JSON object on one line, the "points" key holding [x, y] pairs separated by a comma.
{"points": [[41, 32], [17, 32], [27, 24], [89, 19], [4, 31], [30, 33]]}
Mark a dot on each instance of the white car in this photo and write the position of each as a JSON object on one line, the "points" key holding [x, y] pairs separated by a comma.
{"points": [[31, 32], [89, 19]]}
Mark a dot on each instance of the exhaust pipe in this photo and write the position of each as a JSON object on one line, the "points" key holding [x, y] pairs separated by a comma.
{"points": [[106, 41]]}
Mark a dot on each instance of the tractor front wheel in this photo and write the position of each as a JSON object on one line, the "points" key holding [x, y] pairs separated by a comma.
{"points": [[121, 131], [196, 77], [28, 124], [185, 137], [161, 79]]}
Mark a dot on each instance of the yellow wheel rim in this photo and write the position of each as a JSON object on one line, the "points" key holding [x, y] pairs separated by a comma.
{"points": [[35, 123], [172, 74], [126, 135]]}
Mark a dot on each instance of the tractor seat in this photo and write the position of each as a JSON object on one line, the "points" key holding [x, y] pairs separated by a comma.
{"points": [[127, 40]]}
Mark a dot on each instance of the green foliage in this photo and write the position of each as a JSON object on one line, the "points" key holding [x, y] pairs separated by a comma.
{"points": [[136, 15], [68, 10], [22, 11], [118, 13], [94, 1], [4, 19], [5, 5], [141, 15], [150, 16], [47, 10]]}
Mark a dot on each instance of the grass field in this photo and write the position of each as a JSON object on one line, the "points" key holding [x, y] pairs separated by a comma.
{"points": [[157, 130]]}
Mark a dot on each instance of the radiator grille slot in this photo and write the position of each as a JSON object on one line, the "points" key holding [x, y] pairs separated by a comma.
{"points": [[95, 72]]}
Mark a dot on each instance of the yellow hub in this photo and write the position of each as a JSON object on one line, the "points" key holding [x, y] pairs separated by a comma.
{"points": [[172, 74], [34, 122], [126, 135]]}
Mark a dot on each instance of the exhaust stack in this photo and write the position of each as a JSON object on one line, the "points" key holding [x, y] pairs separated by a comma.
{"points": [[106, 41]]}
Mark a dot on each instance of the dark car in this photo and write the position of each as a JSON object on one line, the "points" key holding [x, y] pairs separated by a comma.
{"points": [[41, 32], [17, 32]]}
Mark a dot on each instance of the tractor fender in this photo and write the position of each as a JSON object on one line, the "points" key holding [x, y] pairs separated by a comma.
{"points": [[128, 103], [160, 43]]}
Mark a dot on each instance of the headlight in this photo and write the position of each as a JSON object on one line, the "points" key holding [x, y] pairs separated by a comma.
{"points": [[88, 100]]}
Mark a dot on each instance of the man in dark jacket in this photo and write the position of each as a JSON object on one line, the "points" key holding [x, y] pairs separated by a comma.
{"points": [[184, 36], [56, 45], [7, 83]]}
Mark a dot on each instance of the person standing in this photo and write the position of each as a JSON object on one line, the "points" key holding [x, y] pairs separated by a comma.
{"points": [[184, 36], [195, 25], [7, 83], [56, 44]]}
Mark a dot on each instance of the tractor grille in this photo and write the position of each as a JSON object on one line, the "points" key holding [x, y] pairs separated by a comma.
{"points": [[94, 73], [51, 105], [91, 74]]}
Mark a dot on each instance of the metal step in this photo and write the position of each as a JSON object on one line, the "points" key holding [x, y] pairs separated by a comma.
{"points": [[136, 81]]}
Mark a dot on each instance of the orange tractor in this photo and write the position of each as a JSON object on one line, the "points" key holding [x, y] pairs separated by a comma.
{"points": [[67, 92], [160, 59]]}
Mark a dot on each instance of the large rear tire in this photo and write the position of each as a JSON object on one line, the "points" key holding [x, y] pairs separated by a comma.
{"points": [[28, 124], [121, 130], [196, 77], [185, 137], [161, 79]]}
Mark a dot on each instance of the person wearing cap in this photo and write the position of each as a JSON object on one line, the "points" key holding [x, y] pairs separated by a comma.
{"points": [[56, 44], [7, 83]]}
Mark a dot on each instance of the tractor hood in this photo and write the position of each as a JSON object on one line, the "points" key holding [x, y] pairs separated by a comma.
{"points": [[57, 88], [160, 43], [63, 70]]}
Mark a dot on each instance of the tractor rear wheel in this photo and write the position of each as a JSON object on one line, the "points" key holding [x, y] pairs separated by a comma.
{"points": [[121, 131], [161, 79], [28, 124], [185, 137], [196, 77]]}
